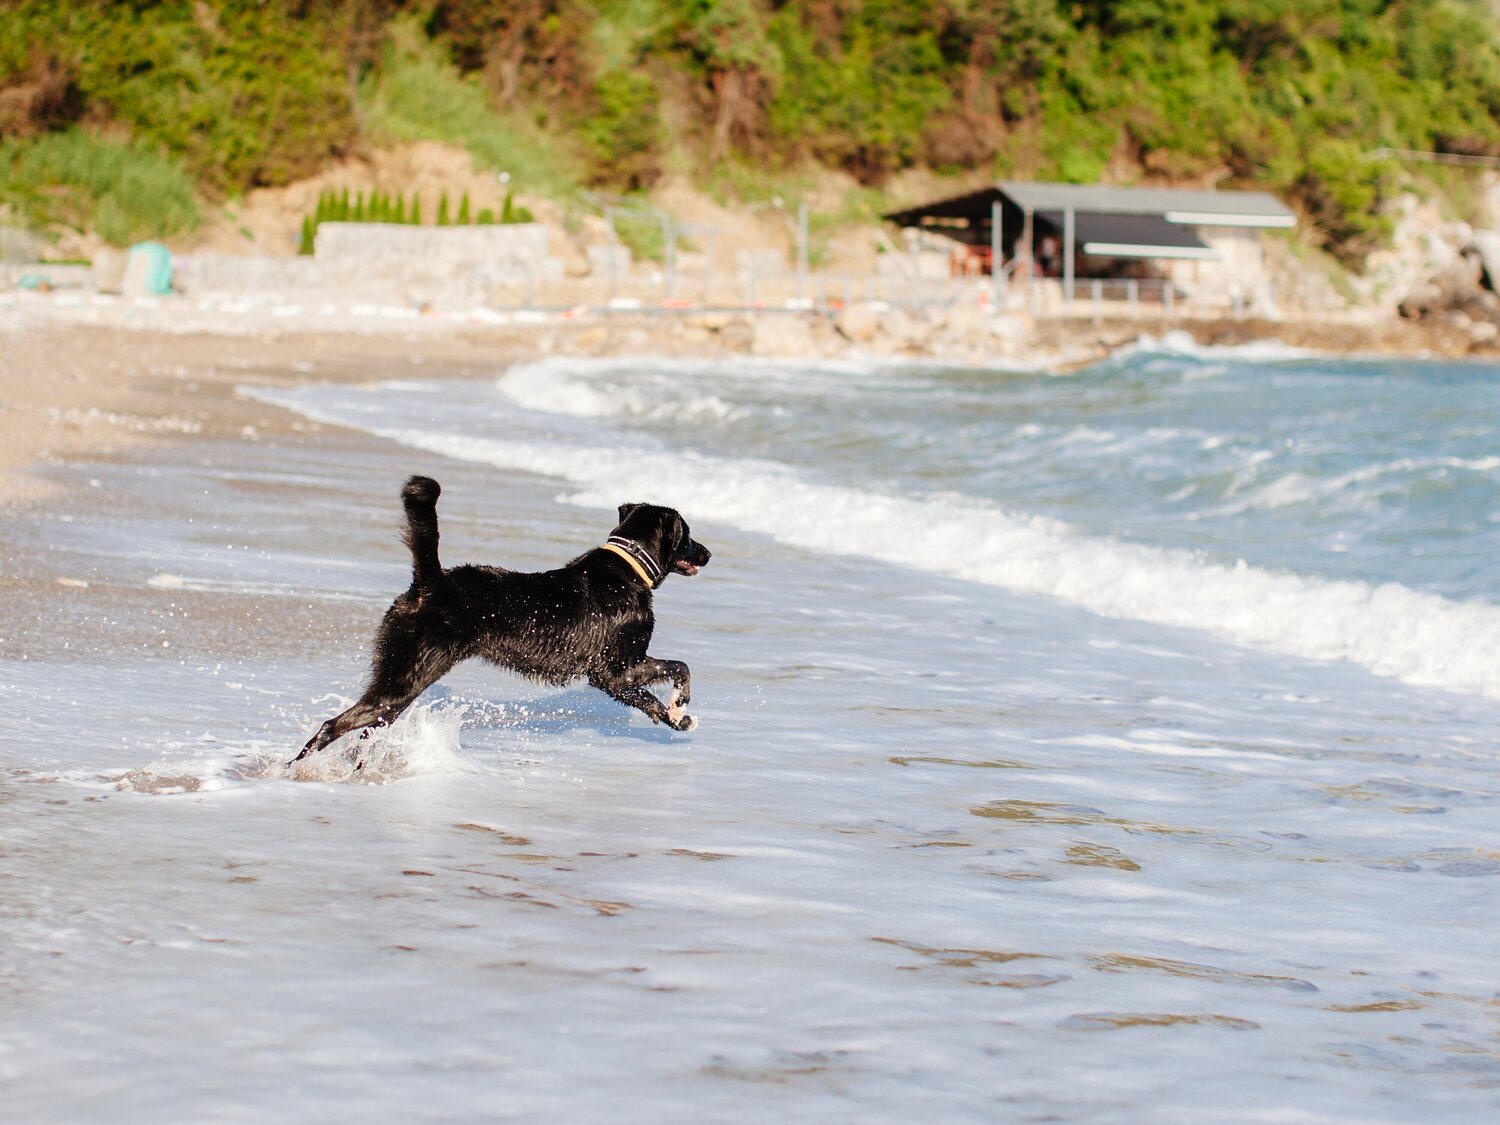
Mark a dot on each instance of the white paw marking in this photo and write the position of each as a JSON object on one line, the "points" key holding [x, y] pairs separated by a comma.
{"points": [[692, 723]]}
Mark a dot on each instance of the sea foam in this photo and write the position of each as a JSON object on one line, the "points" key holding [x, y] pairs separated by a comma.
{"points": [[1393, 630]]}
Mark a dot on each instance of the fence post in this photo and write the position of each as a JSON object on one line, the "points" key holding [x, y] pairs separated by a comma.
{"points": [[1133, 294], [997, 263], [1168, 298], [801, 250], [1069, 240], [1096, 297], [708, 265]]}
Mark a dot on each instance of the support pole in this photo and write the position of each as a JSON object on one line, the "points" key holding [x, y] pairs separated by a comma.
{"points": [[997, 262], [801, 250], [1026, 239], [669, 232], [614, 253], [1069, 235]]}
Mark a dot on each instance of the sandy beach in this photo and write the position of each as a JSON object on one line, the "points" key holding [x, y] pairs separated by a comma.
{"points": [[74, 391], [1002, 801]]}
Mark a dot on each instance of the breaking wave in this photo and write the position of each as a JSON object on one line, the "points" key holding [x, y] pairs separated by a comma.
{"points": [[1391, 629]]}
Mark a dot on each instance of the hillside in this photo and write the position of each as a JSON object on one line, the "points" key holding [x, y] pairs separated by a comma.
{"points": [[131, 119]]}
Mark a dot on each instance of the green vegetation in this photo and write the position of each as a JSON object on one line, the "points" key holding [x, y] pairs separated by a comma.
{"points": [[1288, 95], [417, 94], [242, 94], [513, 212], [334, 206], [125, 192]]}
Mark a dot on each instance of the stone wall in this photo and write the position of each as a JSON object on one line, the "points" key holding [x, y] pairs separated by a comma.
{"points": [[56, 276], [513, 251], [17, 245], [227, 273]]}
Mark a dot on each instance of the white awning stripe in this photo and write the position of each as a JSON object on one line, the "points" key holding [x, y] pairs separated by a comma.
{"points": [[1216, 219], [1132, 250]]}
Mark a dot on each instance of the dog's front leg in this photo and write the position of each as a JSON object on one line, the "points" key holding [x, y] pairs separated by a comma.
{"points": [[629, 688], [682, 688]]}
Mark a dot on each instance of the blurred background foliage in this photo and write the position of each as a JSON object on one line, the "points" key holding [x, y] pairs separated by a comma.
{"points": [[127, 116]]}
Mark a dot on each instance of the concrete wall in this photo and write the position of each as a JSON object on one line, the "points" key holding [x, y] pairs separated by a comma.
{"points": [[1238, 274], [516, 249], [385, 261], [17, 245], [59, 277], [224, 273]]}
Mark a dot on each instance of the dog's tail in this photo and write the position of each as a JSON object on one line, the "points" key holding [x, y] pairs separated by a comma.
{"points": [[419, 497]]}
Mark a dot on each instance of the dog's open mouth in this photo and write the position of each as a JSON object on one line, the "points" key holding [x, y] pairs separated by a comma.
{"points": [[682, 566]]}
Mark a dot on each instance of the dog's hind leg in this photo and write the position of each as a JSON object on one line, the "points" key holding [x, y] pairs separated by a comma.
{"points": [[383, 701]]}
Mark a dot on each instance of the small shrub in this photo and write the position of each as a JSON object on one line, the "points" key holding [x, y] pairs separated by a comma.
{"points": [[123, 192], [624, 134], [513, 212]]}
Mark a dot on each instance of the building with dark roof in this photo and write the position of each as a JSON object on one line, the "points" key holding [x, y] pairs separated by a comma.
{"points": [[1205, 244]]}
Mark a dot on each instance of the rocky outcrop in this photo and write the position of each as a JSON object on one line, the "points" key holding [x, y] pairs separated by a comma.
{"points": [[1438, 270]]}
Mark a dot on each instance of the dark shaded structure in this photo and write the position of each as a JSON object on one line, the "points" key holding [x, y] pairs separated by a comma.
{"points": [[1048, 230]]}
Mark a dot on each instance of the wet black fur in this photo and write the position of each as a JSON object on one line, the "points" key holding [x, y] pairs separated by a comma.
{"points": [[590, 618]]}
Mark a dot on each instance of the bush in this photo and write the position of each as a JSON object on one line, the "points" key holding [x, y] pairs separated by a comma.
{"points": [[123, 192], [243, 94], [624, 134], [417, 94], [513, 212]]}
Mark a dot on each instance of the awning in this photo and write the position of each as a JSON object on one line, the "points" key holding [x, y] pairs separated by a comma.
{"points": [[1130, 236]]}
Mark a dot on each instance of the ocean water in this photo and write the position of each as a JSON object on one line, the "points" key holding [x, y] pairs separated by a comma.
{"points": [[1109, 746]]}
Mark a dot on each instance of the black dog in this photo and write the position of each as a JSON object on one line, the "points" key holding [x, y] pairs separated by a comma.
{"points": [[590, 618]]}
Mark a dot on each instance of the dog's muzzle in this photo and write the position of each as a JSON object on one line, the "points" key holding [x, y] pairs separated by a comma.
{"points": [[693, 558]]}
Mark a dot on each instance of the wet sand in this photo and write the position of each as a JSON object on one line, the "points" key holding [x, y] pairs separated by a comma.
{"points": [[76, 392]]}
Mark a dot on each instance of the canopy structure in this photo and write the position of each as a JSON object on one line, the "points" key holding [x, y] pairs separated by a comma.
{"points": [[1131, 236], [1012, 218]]}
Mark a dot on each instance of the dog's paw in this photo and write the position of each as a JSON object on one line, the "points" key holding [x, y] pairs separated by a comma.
{"points": [[686, 722]]}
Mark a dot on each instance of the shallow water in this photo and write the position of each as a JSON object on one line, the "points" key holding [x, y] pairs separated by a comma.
{"points": [[1017, 793]]}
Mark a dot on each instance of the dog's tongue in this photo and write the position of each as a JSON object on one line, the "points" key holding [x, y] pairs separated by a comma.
{"points": [[689, 569]]}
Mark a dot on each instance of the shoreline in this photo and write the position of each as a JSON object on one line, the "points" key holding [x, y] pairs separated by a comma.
{"points": [[73, 386]]}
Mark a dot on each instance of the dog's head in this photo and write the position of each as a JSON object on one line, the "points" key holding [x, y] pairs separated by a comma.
{"points": [[665, 537]]}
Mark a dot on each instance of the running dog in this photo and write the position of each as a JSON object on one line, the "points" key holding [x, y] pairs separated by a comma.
{"points": [[590, 618]]}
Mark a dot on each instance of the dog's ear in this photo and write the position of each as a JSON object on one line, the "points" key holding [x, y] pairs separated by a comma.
{"points": [[626, 509]]}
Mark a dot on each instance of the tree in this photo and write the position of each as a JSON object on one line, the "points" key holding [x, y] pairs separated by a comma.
{"points": [[727, 38]]}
